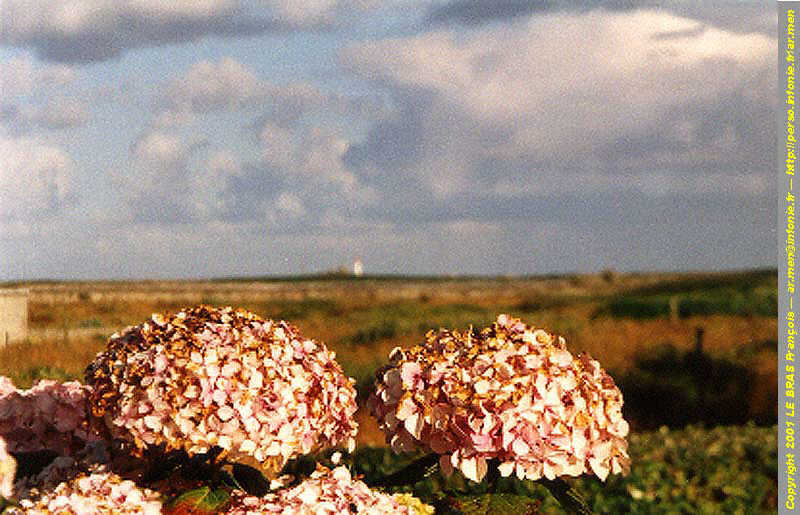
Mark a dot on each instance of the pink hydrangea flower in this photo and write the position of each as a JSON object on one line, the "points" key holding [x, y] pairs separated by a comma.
{"points": [[93, 493], [207, 377], [51, 415], [510, 392], [328, 492], [8, 467]]}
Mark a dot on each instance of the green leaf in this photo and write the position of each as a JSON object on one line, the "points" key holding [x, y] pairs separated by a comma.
{"points": [[567, 496], [417, 471], [200, 501], [494, 504], [250, 479], [7, 504], [33, 462]]}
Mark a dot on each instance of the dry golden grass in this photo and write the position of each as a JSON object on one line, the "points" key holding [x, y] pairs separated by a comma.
{"points": [[69, 322], [24, 362]]}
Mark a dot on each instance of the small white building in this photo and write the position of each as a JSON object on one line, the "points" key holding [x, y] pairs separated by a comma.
{"points": [[358, 268]]}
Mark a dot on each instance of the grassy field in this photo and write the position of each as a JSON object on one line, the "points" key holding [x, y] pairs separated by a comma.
{"points": [[693, 444], [641, 327]]}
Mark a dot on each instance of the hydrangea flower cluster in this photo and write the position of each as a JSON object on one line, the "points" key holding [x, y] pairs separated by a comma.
{"points": [[97, 492], [8, 467], [60, 470], [51, 415], [510, 392], [208, 377], [328, 492]]}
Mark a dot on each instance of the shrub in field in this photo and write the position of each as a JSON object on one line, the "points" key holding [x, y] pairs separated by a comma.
{"points": [[206, 378], [509, 393], [667, 386], [743, 301]]}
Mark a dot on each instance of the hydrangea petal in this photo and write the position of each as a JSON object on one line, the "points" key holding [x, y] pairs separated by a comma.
{"points": [[509, 392]]}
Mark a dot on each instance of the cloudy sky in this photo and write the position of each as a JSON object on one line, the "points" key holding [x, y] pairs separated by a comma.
{"points": [[205, 138]]}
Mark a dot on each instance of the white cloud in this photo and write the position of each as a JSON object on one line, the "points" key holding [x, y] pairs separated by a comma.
{"points": [[159, 149], [175, 182], [290, 204], [311, 159], [172, 118], [207, 190], [566, 90], [21, 75], [277, 145], [30, 19], [565, 72], [207, 85], [320, 156], [36, 179], [742, 17], [62, 112], [303, 12], [155, 185], [91, 30], [56, 113], [660, 184], [227, 84], [288, 102], [181, 8]]}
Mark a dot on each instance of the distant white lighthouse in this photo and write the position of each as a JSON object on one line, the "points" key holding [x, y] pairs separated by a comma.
{"points": [[358, 268]]}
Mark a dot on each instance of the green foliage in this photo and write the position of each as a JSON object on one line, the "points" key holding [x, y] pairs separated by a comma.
{"points": [[638, 307], [8, 505], [33, 462], [200, 501], [722, 470], [405, 317], [566, 495], [666, 386], [552, 301], [759, 301], [455, 316], [364, 376], [376, 463], [26, 378], [741, 281], [491, 504], [301, 309], [369, 335], [727, 469], [250, 479], [744, 294]]}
